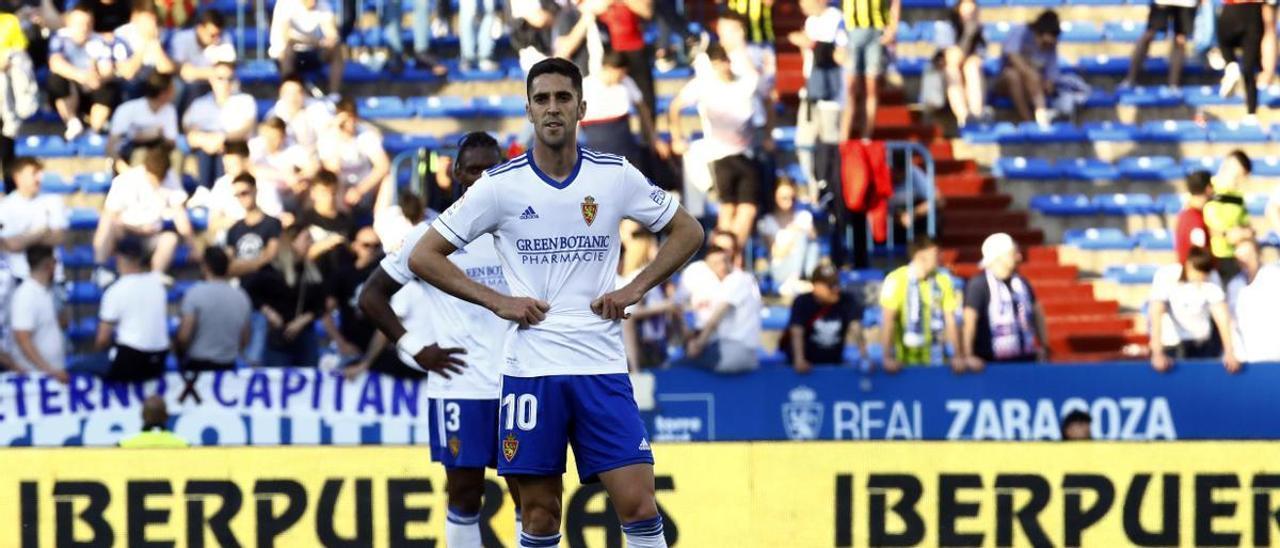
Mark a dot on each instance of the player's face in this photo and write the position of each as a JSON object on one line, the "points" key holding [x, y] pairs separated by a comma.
{"points": [[472, 163], [555, 109]]}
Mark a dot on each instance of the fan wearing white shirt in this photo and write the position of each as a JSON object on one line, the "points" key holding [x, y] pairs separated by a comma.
{"points": [[29, 218], [223, 206], [197, 49], [613, 97], [304, 117], [36, 327], [148, 121], [728, 333], [81, 66], [353, 150], [1252, 297], [304, 39], [131, 319], [138, 204], [1186, 304], [222, 115], [141, 37]]}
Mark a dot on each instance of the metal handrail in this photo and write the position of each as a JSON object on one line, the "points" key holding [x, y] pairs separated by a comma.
{"points": [[911, 149]]}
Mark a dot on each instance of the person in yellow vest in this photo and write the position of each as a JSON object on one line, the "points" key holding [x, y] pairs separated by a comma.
{"points": [[155, 433]]}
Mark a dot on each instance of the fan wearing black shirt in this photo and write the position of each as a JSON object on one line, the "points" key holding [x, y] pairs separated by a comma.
{"points": [[330, 229], [821, 322], [356, 336]]}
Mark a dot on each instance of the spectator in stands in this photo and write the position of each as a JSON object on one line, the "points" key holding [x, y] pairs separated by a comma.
{"points": [[304, 39], [18, 90], [824, 44], [872, 26], [352, 332], [330, 228], [1003, 320], [1191, 230], [224, 114], [1030, 67], [1077, 426], [145, 122], [155, 432], [669, 20], [81, 71], [196, 51], [253, 243], [353, 150], [475, 35], [749, 57], [1163, 14], [728, 326], [918, 313], [224, 207], [108, 15], [821, 322], [141, 38], [645, 331], [1240, 26], [304, 117], [534, 28], [139, 203], [29, 217], [1186, 303], [36, 327], [613, 96], [576, 34], [756, 17], [625, 20], [962, 45], [728, 130], [272, 156], [1225, 215], [293, 297], [909, 204], [422, 10], [131, 318], [789, 234], [215, 318], [1252, 297]]}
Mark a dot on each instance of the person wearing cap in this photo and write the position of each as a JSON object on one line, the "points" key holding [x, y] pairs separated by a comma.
{"points": [[821, 322], [1003, 321], [155, 432], [918, 306], [131, 318]]}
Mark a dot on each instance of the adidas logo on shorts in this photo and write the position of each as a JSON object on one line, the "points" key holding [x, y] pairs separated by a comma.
{"points": [[528, 214], [644, 444]]}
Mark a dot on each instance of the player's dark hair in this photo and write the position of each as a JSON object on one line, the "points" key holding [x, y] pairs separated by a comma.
{"points": [[237, 147], [920, 244], [24, 162], [216, 260], [554, 65], [38, 254], [156, 84], [246, 178], [1077, 416], [477, 139], [1243, 159], [1198, 182], [1047, 23], [275, 123], [615, 59], [211, 17], [716, 52]]}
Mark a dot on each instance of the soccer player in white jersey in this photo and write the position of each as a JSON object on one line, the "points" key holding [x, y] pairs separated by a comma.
{"points": [[554, 215], [463, 399]]}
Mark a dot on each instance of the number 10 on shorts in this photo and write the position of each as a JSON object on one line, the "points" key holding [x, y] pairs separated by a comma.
{"points": [[520, 411]]}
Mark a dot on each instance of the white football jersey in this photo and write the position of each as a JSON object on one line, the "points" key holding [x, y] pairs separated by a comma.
{"points": [[558, 242], [453, 322]]}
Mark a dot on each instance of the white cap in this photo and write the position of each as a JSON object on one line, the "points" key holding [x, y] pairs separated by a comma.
{"points": [[996, 246]]}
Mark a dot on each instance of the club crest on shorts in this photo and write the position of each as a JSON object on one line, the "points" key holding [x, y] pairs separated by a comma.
{"points": [[589, 208], [509, 447], [455, 445]]}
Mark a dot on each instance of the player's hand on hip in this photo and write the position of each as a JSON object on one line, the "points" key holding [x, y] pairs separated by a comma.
{"points": [[525, 311], [613, 305], [441, 360]]}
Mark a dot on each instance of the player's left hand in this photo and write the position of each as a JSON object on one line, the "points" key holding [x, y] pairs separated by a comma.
{"points": [[613, 305]]}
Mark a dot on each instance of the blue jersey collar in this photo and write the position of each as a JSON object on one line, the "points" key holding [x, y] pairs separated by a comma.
{"points": [[577, 165]]}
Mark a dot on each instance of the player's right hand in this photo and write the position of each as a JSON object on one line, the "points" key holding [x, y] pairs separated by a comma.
{"points": [[442, 361], [525, 311]]}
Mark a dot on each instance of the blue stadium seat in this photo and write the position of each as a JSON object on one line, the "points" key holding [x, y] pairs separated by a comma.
{"points": [[498, 106], [774, 318], [1101, 98], [1205, 163], [83, 218], [1124, 204], [1256, 204], [439, 106], [257, 71], [1154, 96], [1236, 132], [991, 3], [199, 217], [1131, 274], [83, 330], [1103, 65], [52, 183], [264, 105], [1020, 167], [1149, 168], [1266, 167], [996, 32], [987, 133], [1096, 2], [383, 108], [182, 144], [1271, 238], [1098, 239], [924, 4], [1124, 31], [663, 104], [1079, 31], [1057, 132], [1155, 240], [179, 289], [80, 256], [475, 74], [1169, 204], [677, 73], [400, 142], [44, 146], [908, 32], [849, 278], [1063, 205], [1110, 131], [1173, 131], [84, 293], [1204, 96], [1087, 169], [912, 66], [91, 144]]}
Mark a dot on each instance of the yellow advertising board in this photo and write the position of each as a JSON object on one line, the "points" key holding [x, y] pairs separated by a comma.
{"points": [[812, 494]]}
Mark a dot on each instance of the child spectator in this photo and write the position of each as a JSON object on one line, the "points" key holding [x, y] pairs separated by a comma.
{"points": [[1186, 303], [1190, 230], [727, 337]]}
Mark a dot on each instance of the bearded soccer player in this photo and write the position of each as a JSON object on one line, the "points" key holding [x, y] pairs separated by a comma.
{"points": [[464, 361], [554, 215]]}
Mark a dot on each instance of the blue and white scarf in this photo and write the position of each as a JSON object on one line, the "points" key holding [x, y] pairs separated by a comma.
{"points": [[1009, 316], [913, 332]]}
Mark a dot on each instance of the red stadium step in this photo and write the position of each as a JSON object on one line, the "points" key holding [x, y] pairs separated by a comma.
{"points": [[1080, 307], [1089, 357], [1062, 325], [966, 184], [978, 202], [954, 167], [1059, 291], [996, 221], [906, 132], [894, 115], [953, 236], [1094, 342], [941, 149]]}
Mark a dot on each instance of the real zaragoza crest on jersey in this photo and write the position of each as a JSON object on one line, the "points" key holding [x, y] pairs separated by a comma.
{"points": [[509, 447], [589, 208]]}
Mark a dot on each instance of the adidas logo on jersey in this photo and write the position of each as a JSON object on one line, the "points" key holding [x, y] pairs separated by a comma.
{"points": [[528, 214], [644, 444]]}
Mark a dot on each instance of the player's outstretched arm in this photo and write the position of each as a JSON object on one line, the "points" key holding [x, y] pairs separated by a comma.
{"points": [[684, 237], [375, 302], [430, 261]]}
